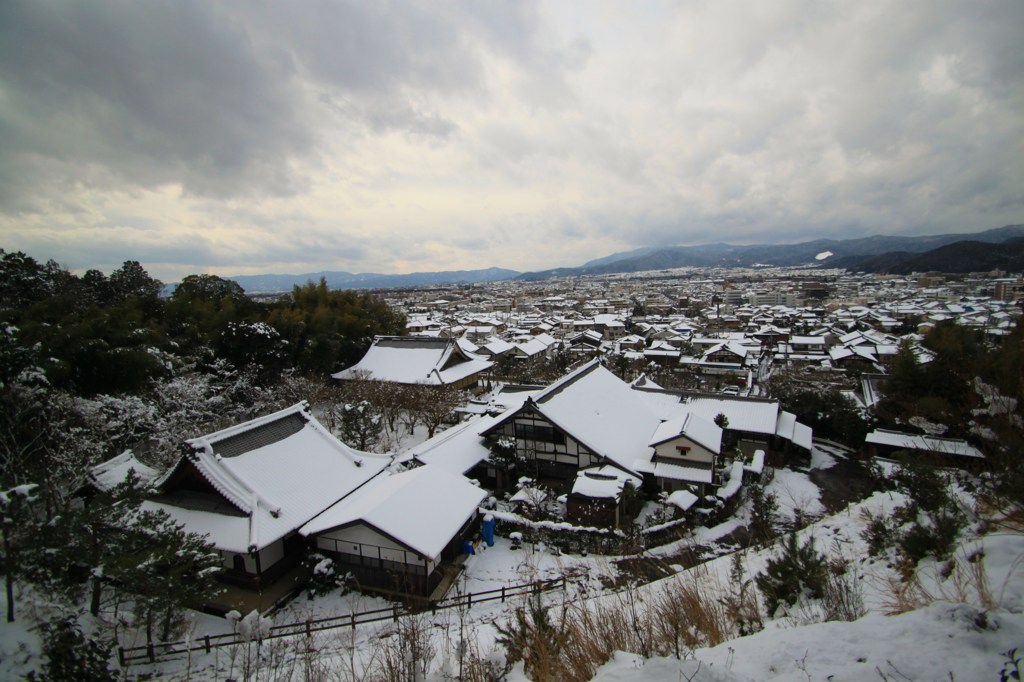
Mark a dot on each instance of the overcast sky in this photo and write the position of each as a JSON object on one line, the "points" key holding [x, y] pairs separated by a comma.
{"points": [[373, 136]]}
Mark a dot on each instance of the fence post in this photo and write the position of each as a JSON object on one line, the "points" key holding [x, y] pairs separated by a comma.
{"points": [[120, 655], [206, 640], [502, 594], [353, 614], [309, 632], [396, 612], [151, 652]]}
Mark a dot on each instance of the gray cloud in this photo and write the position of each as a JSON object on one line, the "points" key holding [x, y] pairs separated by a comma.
{"points": [[368, 136], [151, 93], [217, 98]]}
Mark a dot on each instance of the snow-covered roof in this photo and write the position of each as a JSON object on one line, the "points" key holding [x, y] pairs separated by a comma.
{"points": [[785, 424], [421, 508], [701, 431], [112, 473], [803, 436], [910, 441], [683, 499], [415, 360], [603, 482], [734, 483], [458, 449], [278, 472], [496, 346], [531, 347], [744, 414], [601, 411], [674, 472]]}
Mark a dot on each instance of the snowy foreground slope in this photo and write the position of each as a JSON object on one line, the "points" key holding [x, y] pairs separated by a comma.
{"points": [[955, 634], [949, 629], [938, 642]]}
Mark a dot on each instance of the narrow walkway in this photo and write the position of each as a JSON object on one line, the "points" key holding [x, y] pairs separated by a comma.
{"points": [[243, 600], [451, 574]]}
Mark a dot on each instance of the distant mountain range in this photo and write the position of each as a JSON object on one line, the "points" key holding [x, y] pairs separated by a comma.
{"points": [[849, 253], [958, 257], [1001, 248]]}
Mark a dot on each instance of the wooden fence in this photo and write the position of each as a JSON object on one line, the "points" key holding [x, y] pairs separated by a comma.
{"points": [[159, 651]]}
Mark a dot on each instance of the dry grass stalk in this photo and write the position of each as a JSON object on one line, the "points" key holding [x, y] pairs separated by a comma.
{"points": [[962, 580]]}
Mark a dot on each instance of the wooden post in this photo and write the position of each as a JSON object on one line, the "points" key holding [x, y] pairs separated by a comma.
{"points": [[151, 652], [120, 655], [396, 612], [309, 632], [353, 614], [502, 594], [206, 641]]}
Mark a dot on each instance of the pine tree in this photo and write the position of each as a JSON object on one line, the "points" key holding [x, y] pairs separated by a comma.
{"points": [[166, 568], [800, 571], [360, 425]]}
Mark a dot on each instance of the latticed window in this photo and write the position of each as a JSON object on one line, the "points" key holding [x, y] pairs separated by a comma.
{"points": [[539, 432]]}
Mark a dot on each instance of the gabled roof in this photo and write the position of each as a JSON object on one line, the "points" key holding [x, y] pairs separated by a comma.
{"points": [[599, 410], [112, 473], [421, 508], [701, 431], [277, 472], [457, 449], [415, 360], [744, 414]]}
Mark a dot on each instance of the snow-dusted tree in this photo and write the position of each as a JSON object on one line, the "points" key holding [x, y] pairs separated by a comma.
{"points": [[92, 536], [360, 425], [166, 569], [34, 443], [254, 344], [764, 514], [18, 526], [69, 654], [433, 405]]}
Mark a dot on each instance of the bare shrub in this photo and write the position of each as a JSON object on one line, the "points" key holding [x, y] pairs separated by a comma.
{"points": [[843, 596]]}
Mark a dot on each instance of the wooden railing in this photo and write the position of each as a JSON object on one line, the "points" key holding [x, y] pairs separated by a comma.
{"points": [[158, 651]]}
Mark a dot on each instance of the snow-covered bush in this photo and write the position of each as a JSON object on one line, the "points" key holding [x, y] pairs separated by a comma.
{"points": [[324, 575]]}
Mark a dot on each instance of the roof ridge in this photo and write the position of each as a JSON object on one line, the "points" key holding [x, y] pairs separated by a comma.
{"points": [[300, 408], [566, 381]]}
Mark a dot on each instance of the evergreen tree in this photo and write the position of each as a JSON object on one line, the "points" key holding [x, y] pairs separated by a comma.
{"points": [[361, 425], [18, 530], [799, 571], [70, 655], [166, 568]]}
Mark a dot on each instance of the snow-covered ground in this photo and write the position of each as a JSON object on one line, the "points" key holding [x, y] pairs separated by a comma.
{"points": [[955, 632]]}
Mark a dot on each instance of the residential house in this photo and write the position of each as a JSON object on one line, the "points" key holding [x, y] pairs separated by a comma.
{"points": [[418, 360], [252, 486], [397, 535]]}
